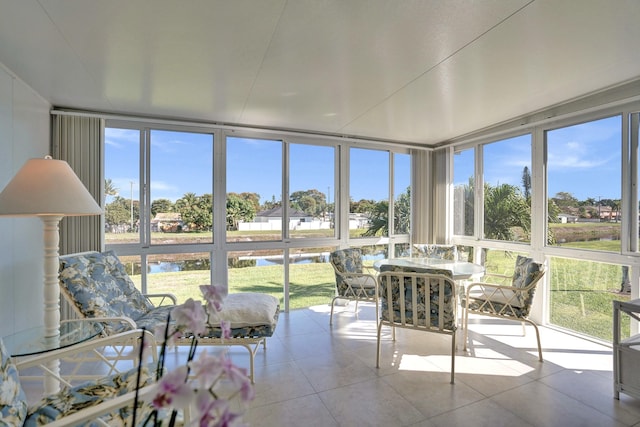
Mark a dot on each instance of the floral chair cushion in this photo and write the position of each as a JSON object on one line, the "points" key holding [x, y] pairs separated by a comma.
{"points": [[526, 272], [100, 286], [447, 252], [73, 399], [346, 261], [13, 401], [433, 301]]}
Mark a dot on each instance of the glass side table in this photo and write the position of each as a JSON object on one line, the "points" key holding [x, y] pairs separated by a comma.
{"points": [[32, 341]]}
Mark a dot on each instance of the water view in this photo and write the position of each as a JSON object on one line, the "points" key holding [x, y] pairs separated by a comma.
{"points": [[174, 266]]}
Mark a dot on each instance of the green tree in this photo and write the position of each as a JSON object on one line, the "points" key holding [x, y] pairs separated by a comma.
{"points": [[312, 202], [565, 200], [505, 209], [379, 216], [271, 204], [161, 206], [613, 205], [526, 182], [616, 205], [118, 212], [196, 211], [254, 198], [402, 212], [378, 220], [203, 217], [238, 209], [109, 188], [307, 204], [468, 191], [362, 206]]}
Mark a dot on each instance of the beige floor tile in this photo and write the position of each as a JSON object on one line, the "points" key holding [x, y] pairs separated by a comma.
{"points": [[313, 374], [541, 405], [326, 373], [280, 382], [370, 403], [431, 392], [308, 411], [595, 391], [484, 413]]}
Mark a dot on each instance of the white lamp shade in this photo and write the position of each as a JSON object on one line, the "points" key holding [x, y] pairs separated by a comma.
{"points": [[47, 187]]}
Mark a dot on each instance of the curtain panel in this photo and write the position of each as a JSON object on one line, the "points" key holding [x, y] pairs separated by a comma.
{"points": [[421, 194], [78, 141], [442, 195]]}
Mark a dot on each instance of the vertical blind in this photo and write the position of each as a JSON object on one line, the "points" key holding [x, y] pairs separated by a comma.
{"points": [[78, 141], [421, 193]]}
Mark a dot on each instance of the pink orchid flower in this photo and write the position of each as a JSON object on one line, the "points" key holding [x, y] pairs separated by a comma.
{"points": [[214, 296], [207, 368], [238, 376], [172, 391], [216, 412], [191, 314], [225, 327]]}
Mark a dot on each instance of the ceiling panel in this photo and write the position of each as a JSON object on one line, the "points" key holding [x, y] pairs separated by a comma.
{"points": [[543, 55], [330, 62], [420, 71]]}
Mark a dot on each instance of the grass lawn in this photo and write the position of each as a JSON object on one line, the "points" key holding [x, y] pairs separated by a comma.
{"points": [[581, 292], [310, 284]]}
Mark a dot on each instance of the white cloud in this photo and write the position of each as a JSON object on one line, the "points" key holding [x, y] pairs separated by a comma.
{"points": [[118, 138]]}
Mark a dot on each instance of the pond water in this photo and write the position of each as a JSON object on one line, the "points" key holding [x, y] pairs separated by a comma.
{"points": [[203, 264]]}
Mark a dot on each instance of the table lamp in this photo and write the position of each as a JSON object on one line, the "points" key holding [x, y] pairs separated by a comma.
{"points": [[50, 190]]}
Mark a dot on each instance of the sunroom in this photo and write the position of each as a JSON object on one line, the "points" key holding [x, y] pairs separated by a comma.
{"points": [[504, 128]]}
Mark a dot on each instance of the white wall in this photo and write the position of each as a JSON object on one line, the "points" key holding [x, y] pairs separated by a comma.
{"points": [[24, 133]]}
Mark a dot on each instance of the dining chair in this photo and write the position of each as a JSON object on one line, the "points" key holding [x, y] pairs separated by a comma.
{"points": [[418, 299], [354, 281], [427, 250], [511, 302]]}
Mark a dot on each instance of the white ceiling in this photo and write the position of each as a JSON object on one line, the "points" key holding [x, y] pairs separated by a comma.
{"points": [[419, 71]]}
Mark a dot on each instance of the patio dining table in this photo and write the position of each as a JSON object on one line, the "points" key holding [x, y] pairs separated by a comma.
{"points": [[461, 270]]}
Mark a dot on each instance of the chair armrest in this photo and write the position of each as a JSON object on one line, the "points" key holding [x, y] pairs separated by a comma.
{"points": [[120, 339], [491, 290], [90, 360], [498, 277], [163, 298], [127, 321], [367, 277], [103, 408], [491, 286], [369, 269]]}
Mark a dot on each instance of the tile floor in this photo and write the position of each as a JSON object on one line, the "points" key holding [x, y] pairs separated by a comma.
{"points": [[316, 375]]}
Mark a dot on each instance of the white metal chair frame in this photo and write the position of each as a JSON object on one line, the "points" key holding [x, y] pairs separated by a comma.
{"points": [[446, 306], [359, 286], [90, 361], [500, 301]]}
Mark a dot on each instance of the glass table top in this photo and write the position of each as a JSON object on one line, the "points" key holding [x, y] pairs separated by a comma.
{"points": [[32, 341], [459, 269]]}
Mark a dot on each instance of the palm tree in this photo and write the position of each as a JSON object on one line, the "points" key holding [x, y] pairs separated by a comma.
{"points": [[505, 208], [378, 220], [109, 188]]}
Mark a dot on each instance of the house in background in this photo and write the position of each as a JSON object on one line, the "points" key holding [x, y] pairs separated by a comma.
{"points": [[567, 218], [271, 220], [168, 222]]}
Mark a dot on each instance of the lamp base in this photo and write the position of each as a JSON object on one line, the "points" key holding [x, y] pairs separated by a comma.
{"points": [[51, 293]]}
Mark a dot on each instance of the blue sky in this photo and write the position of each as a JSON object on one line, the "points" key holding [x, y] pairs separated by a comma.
{"points": [[181, 163], [583, 160]]}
